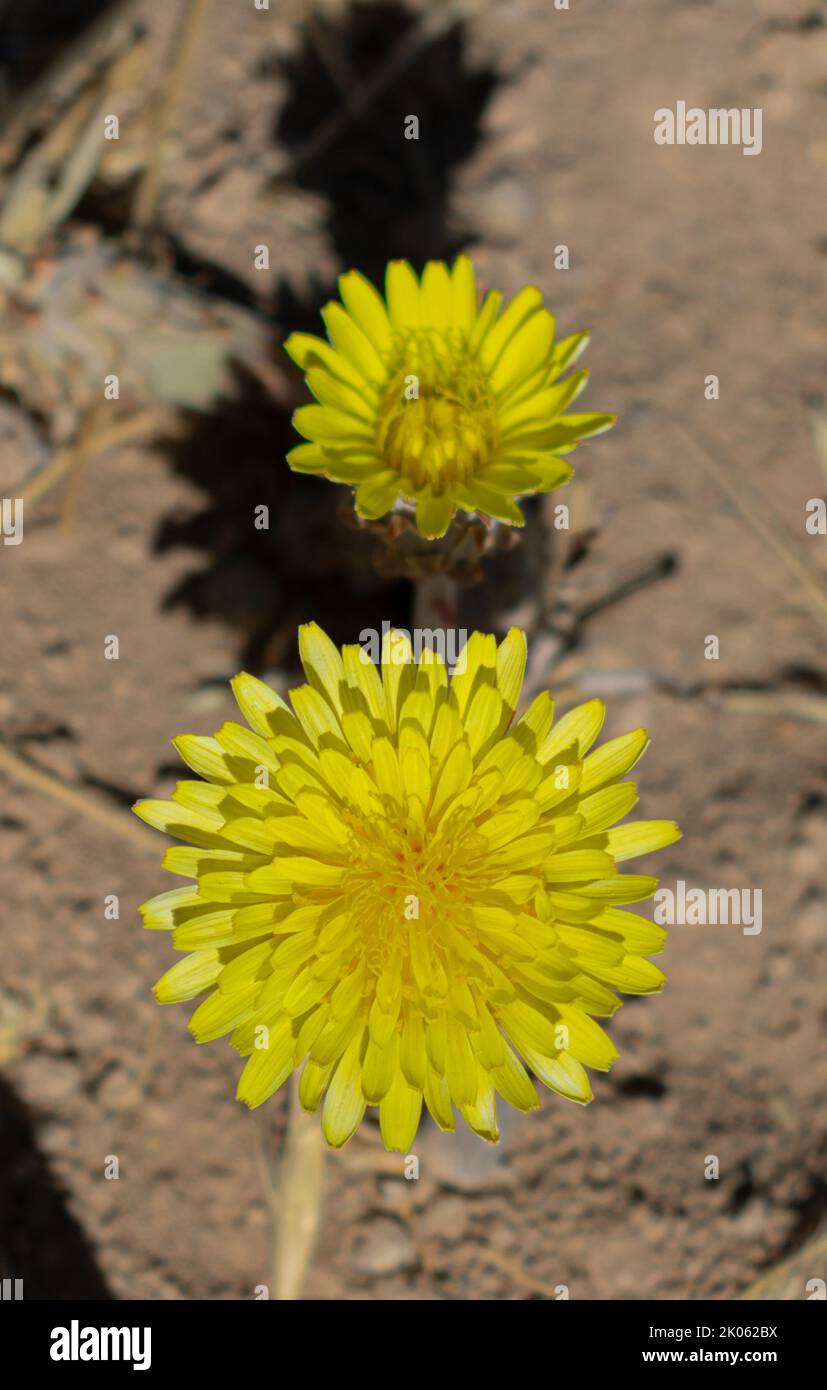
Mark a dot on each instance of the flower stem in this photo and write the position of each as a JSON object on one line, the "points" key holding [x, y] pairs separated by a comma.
{"points": [[300, 1199]]}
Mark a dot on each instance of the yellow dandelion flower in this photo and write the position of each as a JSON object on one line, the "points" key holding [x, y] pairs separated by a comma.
{"points": [[405, 891], [428, 397]]}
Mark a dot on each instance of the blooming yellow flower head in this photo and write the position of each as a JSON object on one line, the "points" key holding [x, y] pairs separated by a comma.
{"points": [[428, 397], [403, 891]]}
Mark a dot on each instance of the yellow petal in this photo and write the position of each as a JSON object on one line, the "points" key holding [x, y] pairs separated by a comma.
{"points": [[525, 352], [562, 1073], [463, 295], [313, 1084], [435, 296], [511, 661], [514, 1084], [476, 666], [308, 351], [376, 497], [324, 425], [379, 1069], [257, 701], [613, 760], [353, 343], [222, 1011], [399, 1114], [363, 678], [486, 318], [434, 514], [519, 311], [205, 756], [367, 307], [268, 1066], [483, 719], [189, 977], [317, 718], [402, 288], [641, 837], [581, 726], [344, 1103], [413, 1058], [603, 808], [438, 1100], [586, 1039], [460, 1064]]}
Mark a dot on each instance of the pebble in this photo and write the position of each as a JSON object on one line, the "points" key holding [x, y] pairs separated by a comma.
{"points": [[446, 1219], [384, 1248]]}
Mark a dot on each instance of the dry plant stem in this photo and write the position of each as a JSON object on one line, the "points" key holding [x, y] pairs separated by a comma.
{"points": [[125, 432], [74, 481], [750, 509], [80, 458], [30, 776], [300, 1199], [181, 51], [516, 1272], [436, 602], [77, 63], [793, 1278]]}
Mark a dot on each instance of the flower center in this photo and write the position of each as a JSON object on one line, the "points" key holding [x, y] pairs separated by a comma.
{"points": [[408, 894], [437, 421]]}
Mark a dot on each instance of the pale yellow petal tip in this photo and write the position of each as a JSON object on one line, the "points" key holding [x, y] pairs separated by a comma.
{"points": [[463, 265], [393, 1148], [164, 993], [292, 348], [239, 682], [399, 263], [515, 636], [350, 277], [336, 1141], [489, 1132]]}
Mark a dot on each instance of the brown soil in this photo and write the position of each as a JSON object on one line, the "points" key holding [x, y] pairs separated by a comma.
{"points": [[536, 131]]}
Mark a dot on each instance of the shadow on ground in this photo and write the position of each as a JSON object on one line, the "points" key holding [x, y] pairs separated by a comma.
{"points": [[351, 84], [40, 1241], [306, 563], [33, 34], [354, 86]]}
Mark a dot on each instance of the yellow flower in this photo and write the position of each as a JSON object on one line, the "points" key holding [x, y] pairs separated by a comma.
{"points": [[430, 398], [403, 891]]}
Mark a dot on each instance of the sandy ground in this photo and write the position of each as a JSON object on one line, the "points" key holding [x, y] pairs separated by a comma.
{"points": [[536, 132]]}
